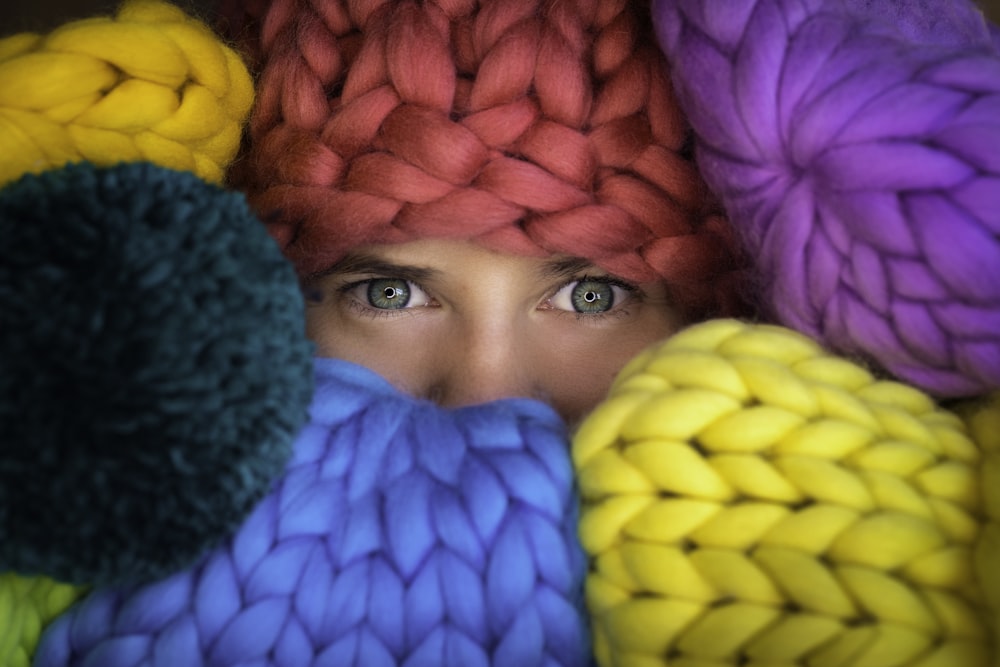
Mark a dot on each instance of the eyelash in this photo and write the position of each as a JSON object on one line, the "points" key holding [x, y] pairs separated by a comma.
{"points": [[362, 308], [617, 310], [375, 313]]}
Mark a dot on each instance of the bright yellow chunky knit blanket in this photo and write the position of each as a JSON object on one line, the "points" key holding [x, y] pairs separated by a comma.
{"points": [[749, 499]]}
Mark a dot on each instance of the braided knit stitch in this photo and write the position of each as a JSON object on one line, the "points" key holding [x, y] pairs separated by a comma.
{"points": [[749, 499], [401, 533], [148, 84], [530, 126], [26, 606], [983, 419], [860, 160]]}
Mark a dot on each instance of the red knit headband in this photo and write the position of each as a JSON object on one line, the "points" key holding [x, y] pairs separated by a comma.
{"points": [[531, 126]]}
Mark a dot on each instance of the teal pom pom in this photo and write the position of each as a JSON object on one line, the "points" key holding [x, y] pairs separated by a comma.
{"points": [[154, 370]]}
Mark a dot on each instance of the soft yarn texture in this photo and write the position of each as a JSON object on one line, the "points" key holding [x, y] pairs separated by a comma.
{"points": [[400, 534], [983, 419], [149, 83], [750, 499], [529, 126], [953, 23], [26, 607], [153, 370], [856, 146]]}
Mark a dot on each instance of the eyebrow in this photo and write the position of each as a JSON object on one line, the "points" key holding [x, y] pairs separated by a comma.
{"points": [[364, 263], [561, 267], [564, 267]]}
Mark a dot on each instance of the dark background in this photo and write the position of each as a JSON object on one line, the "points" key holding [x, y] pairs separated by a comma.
{"points": [[43, 15]]}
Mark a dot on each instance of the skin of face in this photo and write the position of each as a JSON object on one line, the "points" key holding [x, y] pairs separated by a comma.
{"points": [[460, 324]]}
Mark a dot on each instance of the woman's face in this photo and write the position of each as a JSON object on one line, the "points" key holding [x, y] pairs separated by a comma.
{"points": [[459, 324]]}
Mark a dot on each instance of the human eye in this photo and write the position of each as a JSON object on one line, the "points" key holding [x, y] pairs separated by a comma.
{"points": [[384, 295], [591, 295]]}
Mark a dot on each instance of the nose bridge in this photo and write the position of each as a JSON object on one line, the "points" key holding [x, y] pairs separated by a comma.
{"points": [[488, 361]]}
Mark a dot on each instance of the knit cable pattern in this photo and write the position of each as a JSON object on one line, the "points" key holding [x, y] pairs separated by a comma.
{"points": [[27, 605], [858, 157], [983, 419], [749, 499], [150, 83], [534, 127], [401, 534]]}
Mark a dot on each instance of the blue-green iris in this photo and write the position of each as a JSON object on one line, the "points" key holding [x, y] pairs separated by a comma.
{"points": [[592, 296], [388, 293]]}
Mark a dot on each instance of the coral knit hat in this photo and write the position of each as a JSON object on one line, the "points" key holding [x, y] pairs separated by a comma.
{"points": [[531, 127]]}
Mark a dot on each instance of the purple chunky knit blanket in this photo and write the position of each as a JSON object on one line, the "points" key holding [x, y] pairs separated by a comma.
{"points": [[856, 146]]}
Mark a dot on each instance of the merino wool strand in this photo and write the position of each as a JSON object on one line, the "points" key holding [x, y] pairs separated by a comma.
{"points": [[532, 106], [400, 533], [748, 497], [149, 83], [854, 146], [27, 605], [983, 419]]}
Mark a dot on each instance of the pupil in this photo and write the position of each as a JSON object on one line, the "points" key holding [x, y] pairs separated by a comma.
{"points": [[592, 296], [388, 293]]}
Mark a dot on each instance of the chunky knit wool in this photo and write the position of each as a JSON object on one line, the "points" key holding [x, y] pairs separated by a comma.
{"points": [[149, 83], [400, 534], [530, 126], [856, 147], [751, 499], [27, 605], [983, 419]]}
